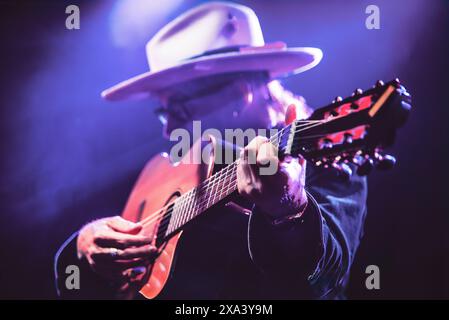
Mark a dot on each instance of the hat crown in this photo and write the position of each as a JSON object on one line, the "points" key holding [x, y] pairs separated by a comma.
{"points": [[207, 27]]}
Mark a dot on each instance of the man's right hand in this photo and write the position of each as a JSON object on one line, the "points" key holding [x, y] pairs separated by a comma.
{"points": [[117, 250]]}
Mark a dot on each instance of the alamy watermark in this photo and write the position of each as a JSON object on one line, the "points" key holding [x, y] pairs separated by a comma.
{"points": [[372, 282], [72, 21], [372, 21], [182, 152], [72, 282]]}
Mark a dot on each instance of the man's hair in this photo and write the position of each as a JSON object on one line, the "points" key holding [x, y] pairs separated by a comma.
{"points": [[279, 97], [285, 98]]}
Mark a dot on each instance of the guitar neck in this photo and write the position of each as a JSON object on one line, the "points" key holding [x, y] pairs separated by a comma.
{"points": [[201, 198], [210, 192]]}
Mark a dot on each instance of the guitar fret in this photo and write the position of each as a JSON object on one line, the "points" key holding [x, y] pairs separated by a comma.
{"points": [[207, 190], [195, 201], [174, 216], [215, 189], [206, 194], [210, 199], [189, 203], [190, 207], [183, 218], [224, 189], [177, 218]]}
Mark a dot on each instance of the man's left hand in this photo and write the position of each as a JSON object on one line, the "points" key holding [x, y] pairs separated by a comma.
{"points": [[279, 192]]}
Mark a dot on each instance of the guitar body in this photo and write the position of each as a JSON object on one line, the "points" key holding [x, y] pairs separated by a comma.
{"points": [[160, 183]]}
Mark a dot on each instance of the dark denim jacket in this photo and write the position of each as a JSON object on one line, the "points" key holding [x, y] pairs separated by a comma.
{"points": [[227, 255]]}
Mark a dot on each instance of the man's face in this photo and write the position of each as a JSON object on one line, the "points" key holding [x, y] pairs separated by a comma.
{"points": [[220, 102]]}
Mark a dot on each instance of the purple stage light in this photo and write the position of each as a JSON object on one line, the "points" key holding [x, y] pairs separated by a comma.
{"points": [[134, 22]]}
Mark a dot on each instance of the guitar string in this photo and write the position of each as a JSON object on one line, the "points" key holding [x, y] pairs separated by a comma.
{"points": [[166, 219], [202, 186], [216, 178], [206, 201], [201, 207], [201, 204], [156, 213]]}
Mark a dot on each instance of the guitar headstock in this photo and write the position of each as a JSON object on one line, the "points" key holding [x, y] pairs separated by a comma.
{"points": [[352, 130]]}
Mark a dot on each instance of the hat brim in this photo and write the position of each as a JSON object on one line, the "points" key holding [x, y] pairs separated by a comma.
{"points": [[276, 62]]}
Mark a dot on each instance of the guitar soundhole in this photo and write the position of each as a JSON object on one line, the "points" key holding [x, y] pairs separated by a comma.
{"points": [[164, 221]]}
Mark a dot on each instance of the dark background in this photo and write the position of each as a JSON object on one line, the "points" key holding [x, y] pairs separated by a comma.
{"points": [[67, 157]]}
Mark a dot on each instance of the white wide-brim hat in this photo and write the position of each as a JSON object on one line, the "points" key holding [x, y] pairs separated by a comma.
{"points": [[211, 39]]}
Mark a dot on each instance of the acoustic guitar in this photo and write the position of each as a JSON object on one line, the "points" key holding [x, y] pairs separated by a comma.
{"points": [[169, 196]]}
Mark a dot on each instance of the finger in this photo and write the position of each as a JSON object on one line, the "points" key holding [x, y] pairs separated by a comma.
{"points": [[251, 172], [115, 268], [133, 273], [109, 272], [257, 142], [253, 147], [248, 175], [148, 251], [247, 182], [121, 225], [266, 154], [241, 175], [132, 278], [112, 239], [108, 254], [136, 272]]}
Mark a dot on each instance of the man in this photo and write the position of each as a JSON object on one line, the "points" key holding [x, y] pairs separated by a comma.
{"points": [[211, 63]]}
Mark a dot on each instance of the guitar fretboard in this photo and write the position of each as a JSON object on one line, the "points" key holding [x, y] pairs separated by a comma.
{"points": [[210, 192], [202, 197]]}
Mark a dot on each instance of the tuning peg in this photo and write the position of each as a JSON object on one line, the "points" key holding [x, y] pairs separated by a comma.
{"points": [[379, 83], [346, 169], [357, 159], [337, 99], [326, 144], [343, 169], [357, 92], [347, 138], [366, 167], [385, 162]]}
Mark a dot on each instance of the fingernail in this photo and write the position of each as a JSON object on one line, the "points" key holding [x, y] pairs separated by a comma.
{"points": [[138, 270]]}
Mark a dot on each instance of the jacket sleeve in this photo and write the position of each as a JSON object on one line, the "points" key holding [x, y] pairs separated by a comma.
{"points": [[319, 248], [91, 286]]}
